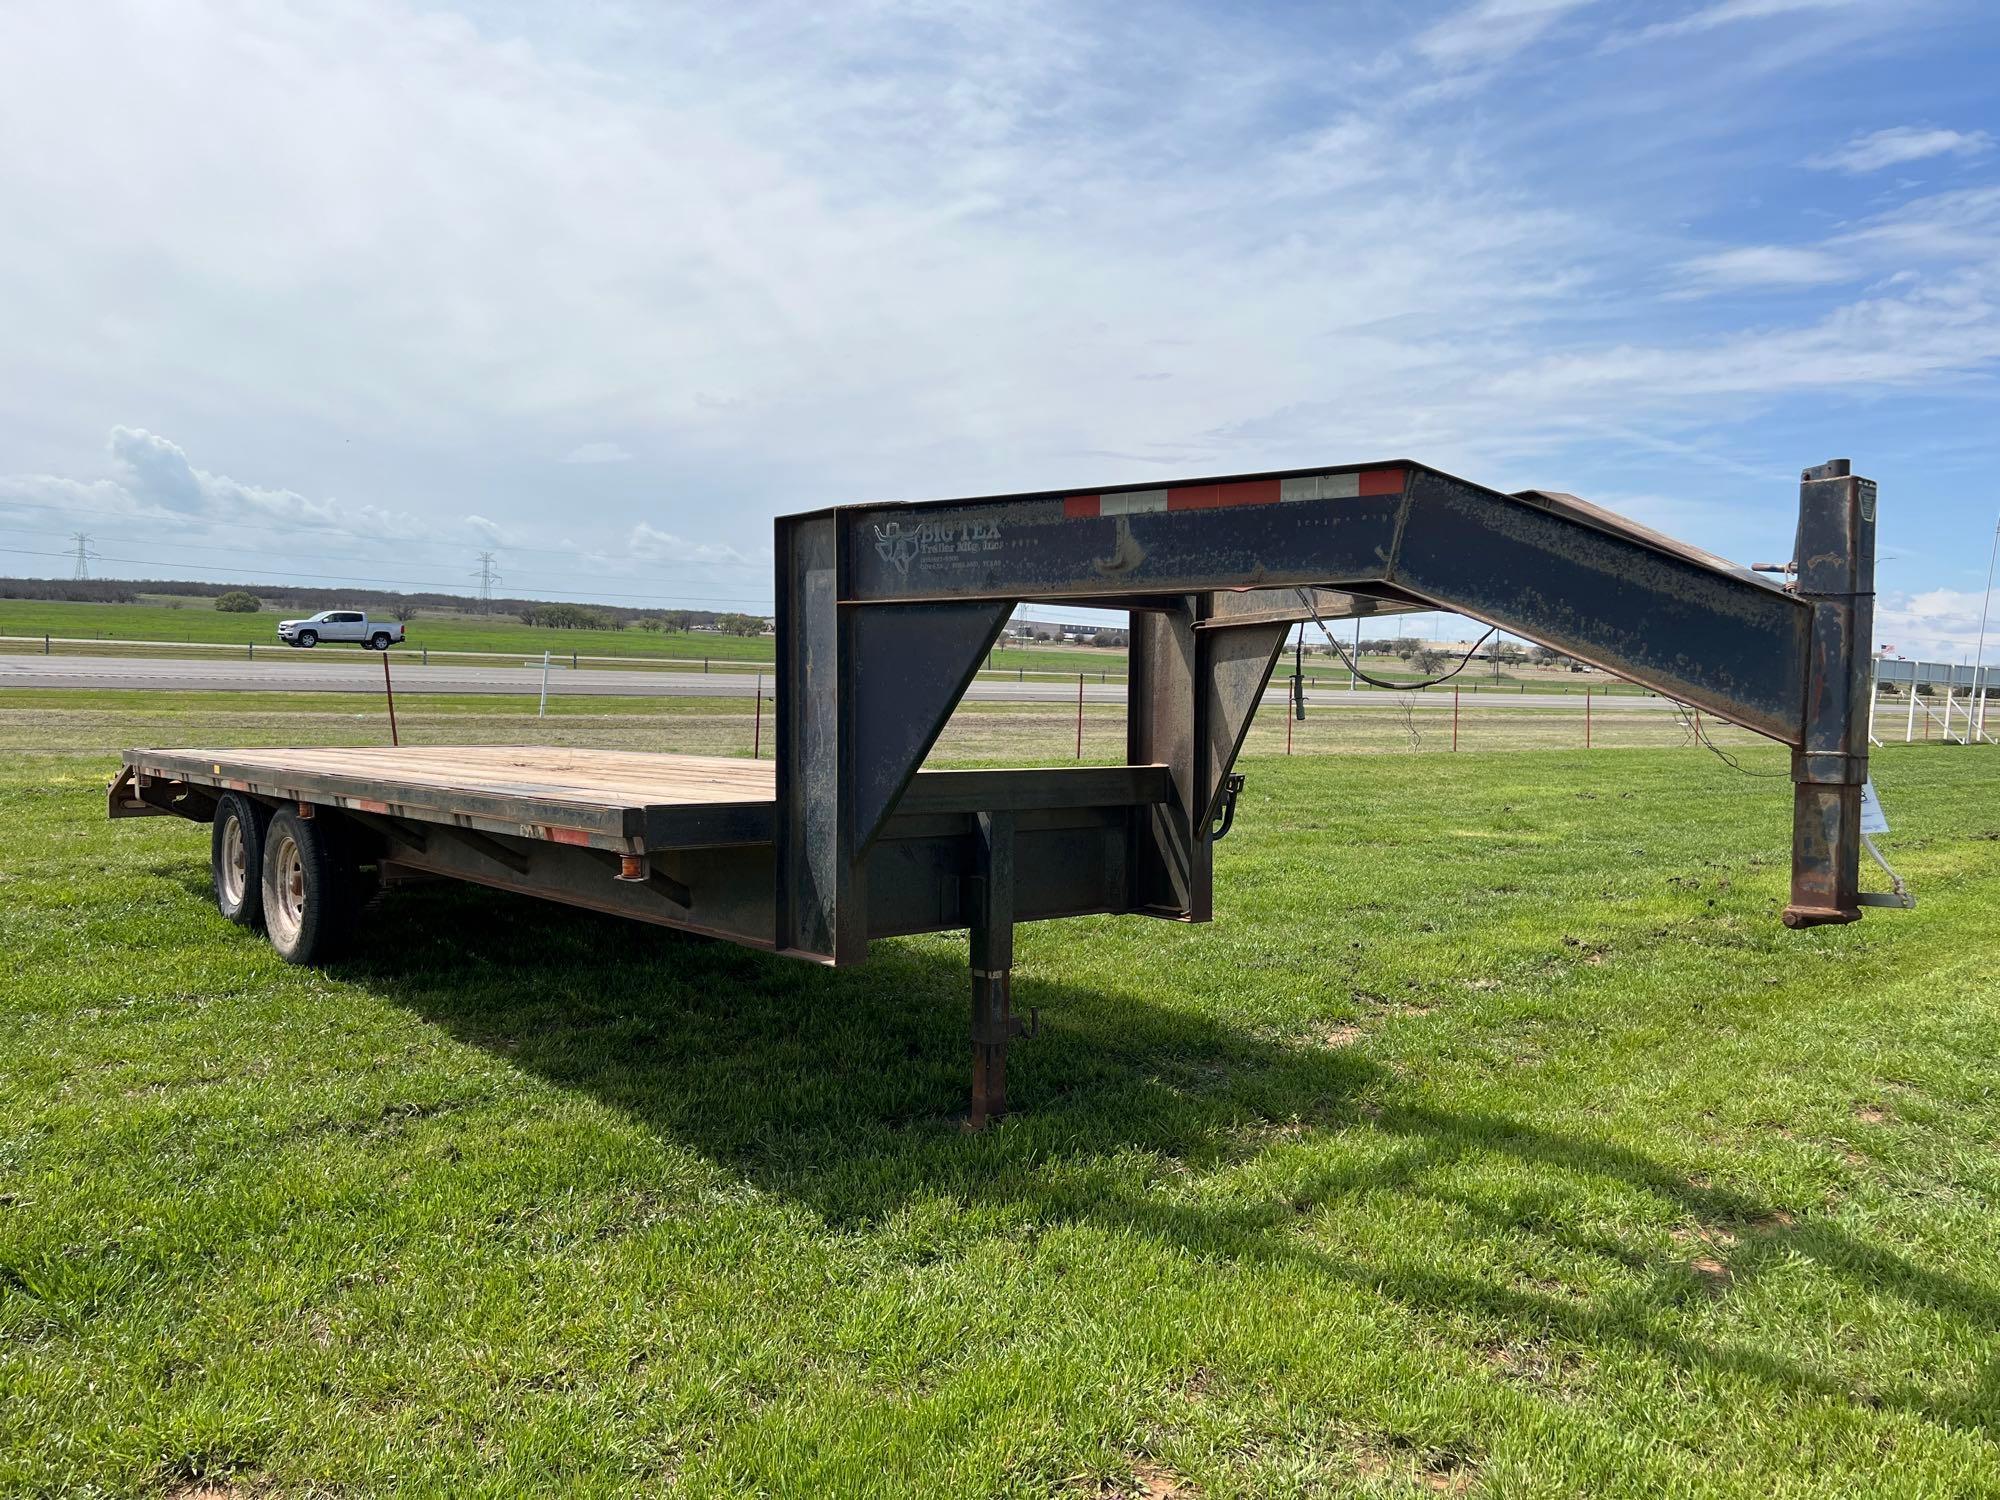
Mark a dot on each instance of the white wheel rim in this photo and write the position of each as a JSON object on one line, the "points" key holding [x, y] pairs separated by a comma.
{"points": [[285, 901], [235, 873]]}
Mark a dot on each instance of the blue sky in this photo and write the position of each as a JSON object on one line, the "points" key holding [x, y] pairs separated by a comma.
{"points": [[355, 290]]}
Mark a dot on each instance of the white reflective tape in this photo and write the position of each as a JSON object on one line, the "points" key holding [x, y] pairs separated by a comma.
{"points": [[1320, 487], [1139, 502]]}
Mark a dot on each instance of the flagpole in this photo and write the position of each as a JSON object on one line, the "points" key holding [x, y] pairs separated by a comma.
{"points": [[1979, 652]]}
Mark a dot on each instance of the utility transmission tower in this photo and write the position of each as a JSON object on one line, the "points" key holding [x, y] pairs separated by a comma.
{"points": [[488, 575], [83, 554]]}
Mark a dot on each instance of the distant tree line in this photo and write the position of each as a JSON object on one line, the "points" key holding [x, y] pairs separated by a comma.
{"points": [[71, 591], [379, 602]]}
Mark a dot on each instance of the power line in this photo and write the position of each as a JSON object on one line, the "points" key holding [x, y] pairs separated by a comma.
{"points": [[540, 583], [655, 600], [1354, 665], [293, 528]]}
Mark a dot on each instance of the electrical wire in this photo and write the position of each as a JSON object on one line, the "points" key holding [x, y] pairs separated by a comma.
{"points": [[352, 580], [292, 527], [1694, 728], [1305, 598], [1699, 735]]}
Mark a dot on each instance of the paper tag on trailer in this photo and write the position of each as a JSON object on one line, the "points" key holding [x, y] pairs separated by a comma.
{"points": [[1873, 819]]}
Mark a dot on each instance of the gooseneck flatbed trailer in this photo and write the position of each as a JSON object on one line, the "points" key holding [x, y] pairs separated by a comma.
{"points": [[885, 613]]}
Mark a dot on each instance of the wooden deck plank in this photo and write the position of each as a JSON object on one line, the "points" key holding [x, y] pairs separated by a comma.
{"points": [[616, 799], [603, 778]]}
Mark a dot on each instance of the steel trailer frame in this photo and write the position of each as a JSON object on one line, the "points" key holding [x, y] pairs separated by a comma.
{"points": [[885, 612]]}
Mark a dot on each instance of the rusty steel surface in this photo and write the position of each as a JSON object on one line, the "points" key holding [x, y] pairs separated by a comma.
{"points": [[1834, 559], [1549, 568], [885, 612]]}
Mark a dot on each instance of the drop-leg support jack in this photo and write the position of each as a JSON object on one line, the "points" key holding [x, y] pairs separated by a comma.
{"points": [[990, 908]]}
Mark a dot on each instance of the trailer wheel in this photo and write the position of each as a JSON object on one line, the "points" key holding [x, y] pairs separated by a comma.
{"points": [[236, 859], [309, 890]]}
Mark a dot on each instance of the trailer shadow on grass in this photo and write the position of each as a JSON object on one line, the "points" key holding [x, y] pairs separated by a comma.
{"points": [[844, 1091]]}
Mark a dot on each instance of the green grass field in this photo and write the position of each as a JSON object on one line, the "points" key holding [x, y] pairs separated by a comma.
{"points": [[1496, 1139], [44, 721], [200, 622], [107, 627]]}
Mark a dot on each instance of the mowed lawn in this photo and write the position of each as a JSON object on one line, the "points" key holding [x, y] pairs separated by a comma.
{"points": [[1496, 1139], [198, 621]]}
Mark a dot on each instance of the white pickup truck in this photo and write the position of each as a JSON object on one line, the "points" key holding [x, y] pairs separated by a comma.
{"points": [[341, 625]]}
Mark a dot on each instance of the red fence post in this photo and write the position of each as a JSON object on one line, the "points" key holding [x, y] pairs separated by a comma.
{"points": [[1586, 718], [1079, 716], [757, 723], [1454, 716]]}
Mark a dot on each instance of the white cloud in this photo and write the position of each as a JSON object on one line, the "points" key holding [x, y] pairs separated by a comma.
{"points": [[488, 531], [1731, 13], [1899, 144], [772, 250], [905, 251], [152, 478], [1763, 266], [596, 453], [1941, 624], [1491, 31], [1921, 331], [650, 544], [1962, 226]]}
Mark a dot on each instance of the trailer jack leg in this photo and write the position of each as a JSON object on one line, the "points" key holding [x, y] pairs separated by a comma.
{"points": [[989, 908]]}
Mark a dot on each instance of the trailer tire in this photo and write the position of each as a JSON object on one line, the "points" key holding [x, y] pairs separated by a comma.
{"points": [[309, 891], [236, 859]]}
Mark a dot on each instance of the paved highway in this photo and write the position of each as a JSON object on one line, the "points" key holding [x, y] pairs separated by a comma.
{"points": [[358, 673]]}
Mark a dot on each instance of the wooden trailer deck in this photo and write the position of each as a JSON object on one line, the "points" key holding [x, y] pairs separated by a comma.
{"points": [[625, 801], [622, 800]]}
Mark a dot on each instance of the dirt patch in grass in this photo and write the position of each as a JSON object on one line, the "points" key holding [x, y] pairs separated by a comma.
{"points": [[1771, 1220], [1533, 1362], [1711, 1244], [1713, 1273], [1437, 1470], [1871, 1114], [1149, 1481]]}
